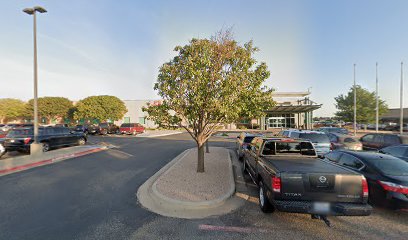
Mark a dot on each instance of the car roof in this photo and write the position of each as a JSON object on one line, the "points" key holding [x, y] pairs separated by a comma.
{"points": [[285, 139], [366, 156]]}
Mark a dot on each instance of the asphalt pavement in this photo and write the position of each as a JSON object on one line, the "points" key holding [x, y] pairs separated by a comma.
{"points": [[93, 197]]}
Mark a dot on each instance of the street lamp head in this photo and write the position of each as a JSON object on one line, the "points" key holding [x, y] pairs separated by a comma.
{"points": [[40, 9], [31, 11]]}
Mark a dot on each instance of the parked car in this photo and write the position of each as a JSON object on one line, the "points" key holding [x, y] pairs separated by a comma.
{"points": [[2, 137], [94, 129], [333, 130], [376, 141], [81, 128], [108, 128], [243, 141], [387, 176], [131, 128], [320, 140], [291, 178], [399, 151], [19, 139], [342, 141]]}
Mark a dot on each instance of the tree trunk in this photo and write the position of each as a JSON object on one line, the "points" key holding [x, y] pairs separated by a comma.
{"points": [[200, 162], [207, 148]]}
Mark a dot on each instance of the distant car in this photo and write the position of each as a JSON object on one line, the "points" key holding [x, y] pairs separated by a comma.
{"points": [[376, 141], [333, 130], [243, 141], [387, 176], [93, 129], [343, 141], [81, 128], [108, 128], [2, 137], [61, 125], [20, 139], [131, 128], [399, 151], [320, 140]]}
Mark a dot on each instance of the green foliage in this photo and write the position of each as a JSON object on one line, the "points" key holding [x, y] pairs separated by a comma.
{"points": [[366, 106], [51, 107], [12, 108], [211, 82], [100, 108]]}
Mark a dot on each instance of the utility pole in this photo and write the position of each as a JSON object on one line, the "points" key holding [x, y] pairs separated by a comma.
{"points": [[376, 97], [402, 100], [355, 100]]}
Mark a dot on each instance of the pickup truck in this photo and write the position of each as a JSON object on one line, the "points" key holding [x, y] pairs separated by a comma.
{"points": [[291, 178]]}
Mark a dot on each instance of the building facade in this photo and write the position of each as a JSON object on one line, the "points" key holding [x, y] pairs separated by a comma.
{"points": [[135, 113], [292, 110]]}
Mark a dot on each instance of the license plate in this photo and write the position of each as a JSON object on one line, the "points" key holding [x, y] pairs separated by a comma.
{"points": [[321, 207]]}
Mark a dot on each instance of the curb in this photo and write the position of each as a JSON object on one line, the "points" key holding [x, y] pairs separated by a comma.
{"points": [[196, 205], [149, 197], [49, 161]]}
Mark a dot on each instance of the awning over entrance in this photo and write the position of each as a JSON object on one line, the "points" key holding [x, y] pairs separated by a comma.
{"points": [[293, 108]]}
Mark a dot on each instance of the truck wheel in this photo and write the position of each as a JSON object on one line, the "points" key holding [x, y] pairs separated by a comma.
{"points": [[264, 203]]}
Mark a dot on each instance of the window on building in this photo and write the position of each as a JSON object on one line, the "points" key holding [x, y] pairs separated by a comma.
{"points": [[142, 120]]}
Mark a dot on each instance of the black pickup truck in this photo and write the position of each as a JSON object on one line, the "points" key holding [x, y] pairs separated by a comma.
{"points": [[291, 178]]}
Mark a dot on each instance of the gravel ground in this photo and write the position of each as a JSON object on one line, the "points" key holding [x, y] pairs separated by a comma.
{"points": [[193, 186]]}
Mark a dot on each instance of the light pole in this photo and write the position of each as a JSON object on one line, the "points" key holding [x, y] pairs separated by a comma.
{"points": [[402, 100], [32, 11], [376, 98], [355, 100]]}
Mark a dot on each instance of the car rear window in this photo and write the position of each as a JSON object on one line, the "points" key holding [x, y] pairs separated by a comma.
{"points": [[392, 167], [350, 140], [248, 139], [103, 125], [20, 132], [125, 125], [278, 148], [315, 137]]}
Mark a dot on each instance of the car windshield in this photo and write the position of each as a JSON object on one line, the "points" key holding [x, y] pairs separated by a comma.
{"points": [[392, 167], [125, 125], [315, 137], [103, 125]]}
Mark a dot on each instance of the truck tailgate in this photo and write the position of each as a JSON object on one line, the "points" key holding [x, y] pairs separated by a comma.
{"points": [[322, 187]]}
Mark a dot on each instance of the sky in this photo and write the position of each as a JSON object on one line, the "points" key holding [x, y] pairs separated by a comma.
{"points": [[116, 47]]}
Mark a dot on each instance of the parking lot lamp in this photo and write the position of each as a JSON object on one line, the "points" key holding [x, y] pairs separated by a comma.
{"points": [[402, 100], [355, 100], [33, 11]]}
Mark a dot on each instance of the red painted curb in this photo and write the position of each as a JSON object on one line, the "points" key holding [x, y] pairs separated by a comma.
{"points": [[48, 161]]}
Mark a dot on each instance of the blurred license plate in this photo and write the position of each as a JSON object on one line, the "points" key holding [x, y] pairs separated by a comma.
{"points": [[321, 207]]}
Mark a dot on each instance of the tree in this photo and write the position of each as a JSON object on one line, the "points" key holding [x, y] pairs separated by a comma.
{"points": [[11, 108], [100, 108], [208, 83], [51, 107], [366, 106]]}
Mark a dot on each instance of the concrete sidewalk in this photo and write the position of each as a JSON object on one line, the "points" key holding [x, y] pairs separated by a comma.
{"points": [[20, 163], [158, 133], [177, 190]]}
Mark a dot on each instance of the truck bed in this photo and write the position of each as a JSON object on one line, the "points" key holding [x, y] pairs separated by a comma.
{"points": [[305, 165]]}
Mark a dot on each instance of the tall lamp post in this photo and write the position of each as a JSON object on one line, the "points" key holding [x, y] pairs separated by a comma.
{"points": [[32, 11]]}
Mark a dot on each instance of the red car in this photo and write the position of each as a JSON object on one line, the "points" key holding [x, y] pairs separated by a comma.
{"points": [[131, 128]]}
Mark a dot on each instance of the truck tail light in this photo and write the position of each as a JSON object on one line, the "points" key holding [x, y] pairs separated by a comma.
{"points": [[276, 184], [392, 187], [27, 140], [364, 185]]}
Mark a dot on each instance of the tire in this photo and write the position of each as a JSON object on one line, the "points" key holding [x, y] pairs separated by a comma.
{"points": [[81, 141], [264, 203], [45, 147]]}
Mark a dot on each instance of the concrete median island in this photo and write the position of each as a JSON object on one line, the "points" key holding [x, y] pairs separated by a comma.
{"points": [[177, 190]]}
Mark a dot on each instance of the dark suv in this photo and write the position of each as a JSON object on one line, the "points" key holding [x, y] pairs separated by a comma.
{"points": [[376, 141], [19, 139]]}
